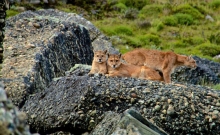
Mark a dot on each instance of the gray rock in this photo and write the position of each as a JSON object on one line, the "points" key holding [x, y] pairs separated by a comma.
{"points": [[12, 121], [77, 103], [39, 47], [130, 122]]}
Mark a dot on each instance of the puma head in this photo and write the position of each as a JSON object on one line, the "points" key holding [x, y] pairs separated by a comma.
{"points": [[100, 56], [114, 60], [190, 62]]}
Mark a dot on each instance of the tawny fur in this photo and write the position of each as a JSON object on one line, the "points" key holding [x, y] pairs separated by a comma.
{"points": [[117, 68], [166, 62], [99, 63]]}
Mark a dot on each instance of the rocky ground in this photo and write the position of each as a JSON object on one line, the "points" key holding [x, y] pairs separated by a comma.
{"points": [[12, 121], [189, 109]]}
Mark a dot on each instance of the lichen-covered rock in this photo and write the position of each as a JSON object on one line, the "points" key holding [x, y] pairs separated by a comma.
{"points": [[77, 103], [39, 47], [12, 121]]}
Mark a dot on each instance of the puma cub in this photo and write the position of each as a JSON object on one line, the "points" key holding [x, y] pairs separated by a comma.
{"points": [[99, 63], [166, 62], [117, 68]]}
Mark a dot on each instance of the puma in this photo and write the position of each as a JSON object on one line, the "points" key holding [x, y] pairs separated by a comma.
{"points": [[166, 62], [99, 63], [117, 68]]}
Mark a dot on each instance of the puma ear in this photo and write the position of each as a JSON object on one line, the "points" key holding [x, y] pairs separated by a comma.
{"points": [[119, 55], [189, 57], [105, 51], [108, 54]]}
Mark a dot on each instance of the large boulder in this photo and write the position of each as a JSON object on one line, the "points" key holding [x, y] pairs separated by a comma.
{"points": [[39, 47], [76, 103]]}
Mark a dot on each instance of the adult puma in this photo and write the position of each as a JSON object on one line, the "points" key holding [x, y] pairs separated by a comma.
{"points": [[99, 62], [117, 68], [166, 62]]}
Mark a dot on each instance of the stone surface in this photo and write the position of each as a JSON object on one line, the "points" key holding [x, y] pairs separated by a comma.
{"points": [[77, 102], [40, 46], [12, 121], [128, 123]]}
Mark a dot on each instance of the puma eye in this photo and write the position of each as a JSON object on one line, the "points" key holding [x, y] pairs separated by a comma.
{"points": [[97, 55], [111, 60], [116, 60]]}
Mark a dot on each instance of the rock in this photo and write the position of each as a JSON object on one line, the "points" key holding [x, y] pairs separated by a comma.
{"points": [[81, 101], [12, 121], [130, 122], [43, 45]]}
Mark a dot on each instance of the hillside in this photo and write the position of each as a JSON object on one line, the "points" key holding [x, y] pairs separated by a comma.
{"points": [[189, 27]]}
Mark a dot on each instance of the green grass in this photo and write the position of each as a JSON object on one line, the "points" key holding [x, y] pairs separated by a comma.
{"points": [[216, 87]]}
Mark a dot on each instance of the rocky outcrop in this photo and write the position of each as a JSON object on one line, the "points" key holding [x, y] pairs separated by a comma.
{"points": [[12, 121], [77, 102], [40, 46]]}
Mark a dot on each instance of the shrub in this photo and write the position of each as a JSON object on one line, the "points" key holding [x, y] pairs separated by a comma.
{"points": [[131, 13], [187, 9], [143, 24], [208, 49], [214, 4], [170, 21], [150, 10], [184, 19], [135, 3], [132, 41], [160, 26], [214, 38], [123, 30], [179, 44], [150, 39], [120, 7], [193, 41], [10, 13]]}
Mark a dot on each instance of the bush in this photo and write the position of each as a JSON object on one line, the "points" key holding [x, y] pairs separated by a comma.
{"points": [[184, 19], [123, 30], [208, 49], [214, 38], [135, 3], [143, 24], [170, 21], [215, 4], [120, 7], [160, 26], [193, 41], [179, 44], [132, 41], [150, 39], [150, 10], [131, 13], [187, 9]]}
